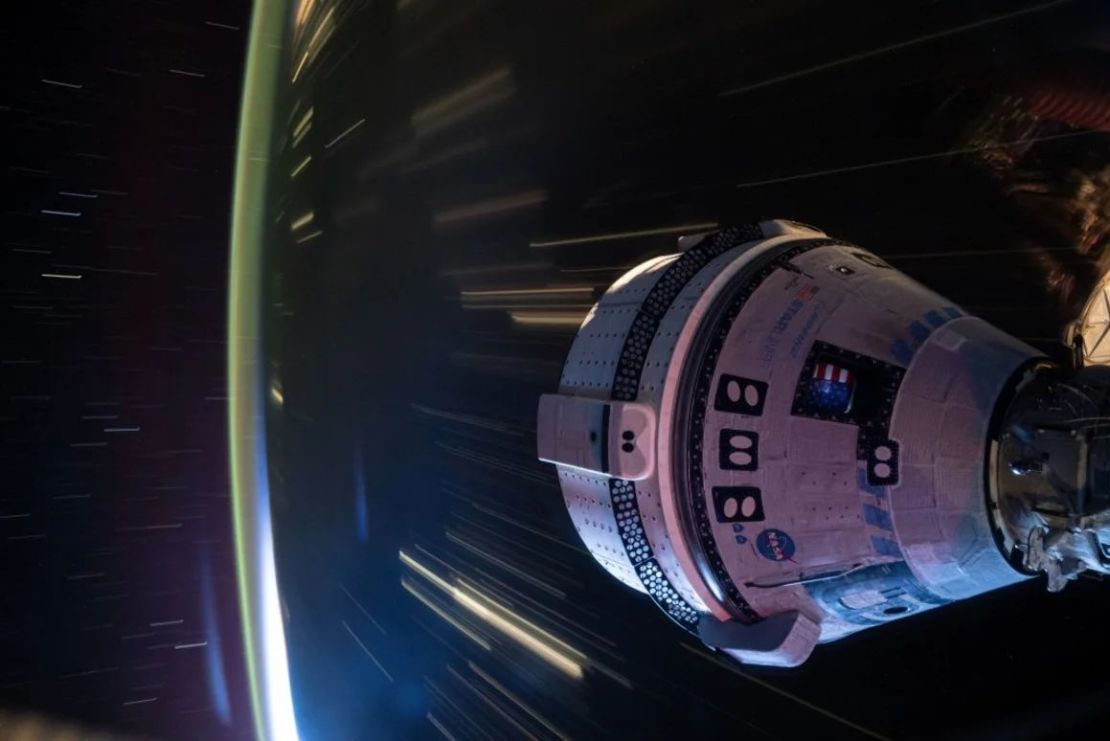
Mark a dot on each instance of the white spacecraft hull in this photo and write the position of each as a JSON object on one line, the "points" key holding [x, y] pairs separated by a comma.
{"points": [[783, 440]]}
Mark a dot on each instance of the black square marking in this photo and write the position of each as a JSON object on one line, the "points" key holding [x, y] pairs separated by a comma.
{"points": [[740, 395], [738, 504], [882, 463], [739, 450]]}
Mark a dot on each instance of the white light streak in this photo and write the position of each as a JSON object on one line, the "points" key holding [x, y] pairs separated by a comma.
{"points": [[568, 320], [303, 124], [345, 132], [704, 226], [59, 83], [490, 207], [443, 614], [303, 220], [297, 170], [536, 640], [530, 636], [300, 66], [365, 650], [303, 11]]}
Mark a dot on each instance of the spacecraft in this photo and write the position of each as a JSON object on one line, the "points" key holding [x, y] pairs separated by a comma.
{"points": [[782, 441]]}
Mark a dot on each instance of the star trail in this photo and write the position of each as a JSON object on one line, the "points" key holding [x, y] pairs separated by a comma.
{"points": [[118, 607]]}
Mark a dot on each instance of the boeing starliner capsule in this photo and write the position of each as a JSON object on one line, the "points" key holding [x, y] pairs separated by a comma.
{"points": [[782, 441]]}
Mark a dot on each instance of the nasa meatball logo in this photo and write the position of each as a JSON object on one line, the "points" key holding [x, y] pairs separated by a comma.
{"points": [[775, 545]]}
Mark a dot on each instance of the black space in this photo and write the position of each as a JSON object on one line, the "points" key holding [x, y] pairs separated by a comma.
{"points": [[104, 534]]}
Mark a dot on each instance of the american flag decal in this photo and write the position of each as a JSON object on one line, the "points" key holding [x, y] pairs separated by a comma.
{"points": [[828, 372], [832, 387]]}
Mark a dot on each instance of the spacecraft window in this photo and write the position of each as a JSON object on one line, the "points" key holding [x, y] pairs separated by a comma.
{"points": [[843, 386], [832, 387]]}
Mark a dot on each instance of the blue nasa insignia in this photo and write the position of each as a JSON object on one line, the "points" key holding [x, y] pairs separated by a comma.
{"points": [[775, 545]]}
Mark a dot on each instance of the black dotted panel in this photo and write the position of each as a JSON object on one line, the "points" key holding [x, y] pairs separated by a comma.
{"points": [[626, 381], [665, 595], [631, 529], [630, 365], [626, 387], [629, 524]]}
